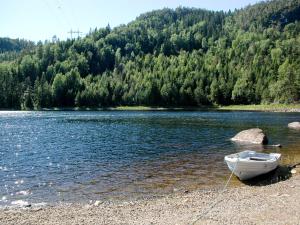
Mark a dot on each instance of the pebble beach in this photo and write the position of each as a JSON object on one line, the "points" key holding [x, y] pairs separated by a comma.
{"points": [[276, 204]]}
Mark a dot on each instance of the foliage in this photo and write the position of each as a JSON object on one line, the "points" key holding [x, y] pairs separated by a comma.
{"points": [[181, 57]]}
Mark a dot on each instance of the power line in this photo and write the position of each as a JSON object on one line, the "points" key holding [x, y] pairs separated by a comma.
{"points": [[75, 32]]}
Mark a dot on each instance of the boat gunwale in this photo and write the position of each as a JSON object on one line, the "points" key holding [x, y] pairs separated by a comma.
{"points": [[274, 157]]}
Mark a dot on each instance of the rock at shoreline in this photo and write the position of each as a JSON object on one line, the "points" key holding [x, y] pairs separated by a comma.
{"points": [[294, 125], [254, 136], [21, 203], [97, 203]]}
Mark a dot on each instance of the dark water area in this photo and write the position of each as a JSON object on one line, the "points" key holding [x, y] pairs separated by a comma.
{"points": [[80, 156]]}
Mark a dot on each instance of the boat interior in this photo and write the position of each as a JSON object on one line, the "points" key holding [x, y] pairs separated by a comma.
{"points": [[255, 156]]}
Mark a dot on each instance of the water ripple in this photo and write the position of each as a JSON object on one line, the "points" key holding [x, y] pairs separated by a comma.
{"points": [[79, 156]]}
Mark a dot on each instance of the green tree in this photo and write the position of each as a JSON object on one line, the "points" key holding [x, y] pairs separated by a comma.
{"points": [[285, 89]]}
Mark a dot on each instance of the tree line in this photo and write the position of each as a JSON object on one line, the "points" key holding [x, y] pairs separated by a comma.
{"points": [[181, 57]]}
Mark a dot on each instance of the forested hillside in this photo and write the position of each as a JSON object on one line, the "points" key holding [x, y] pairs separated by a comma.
{"points": [[182, 57], [10, 48]]}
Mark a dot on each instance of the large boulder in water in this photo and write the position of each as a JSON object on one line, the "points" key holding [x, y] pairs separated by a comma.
{"points": [[294, 125], [254, 136]]}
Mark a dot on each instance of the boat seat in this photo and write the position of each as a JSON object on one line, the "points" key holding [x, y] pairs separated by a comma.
{"points": [[258, 159]]}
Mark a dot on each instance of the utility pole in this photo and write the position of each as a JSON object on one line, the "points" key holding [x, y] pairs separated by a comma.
{"points": [[71, 32], [74, 32]]}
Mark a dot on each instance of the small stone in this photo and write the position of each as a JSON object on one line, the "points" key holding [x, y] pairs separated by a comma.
{"points": [[185, 200], [293, 171], [40, 204], [22, 193], [37, 209], [97, 203], [284, 195], [294, 125], [21, 203], [275, 195], [87, 206]]}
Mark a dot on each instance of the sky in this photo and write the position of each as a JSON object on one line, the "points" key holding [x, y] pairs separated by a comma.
{"points": [[42, 19]]}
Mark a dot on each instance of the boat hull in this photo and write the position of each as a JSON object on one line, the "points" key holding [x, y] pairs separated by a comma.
{"points": [[247, 169]]}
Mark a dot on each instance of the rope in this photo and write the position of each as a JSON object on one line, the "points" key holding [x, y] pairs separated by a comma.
{"points": [[294, 165], [217, 198]]}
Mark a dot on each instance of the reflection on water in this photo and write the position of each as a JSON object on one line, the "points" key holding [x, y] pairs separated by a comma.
{"points": [[78, 156]]}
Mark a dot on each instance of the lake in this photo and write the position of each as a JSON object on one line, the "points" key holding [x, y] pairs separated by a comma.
{"points": [[113, 155]]}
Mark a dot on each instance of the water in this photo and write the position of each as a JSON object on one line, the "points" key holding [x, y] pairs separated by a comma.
{"points": [[80, 156]]}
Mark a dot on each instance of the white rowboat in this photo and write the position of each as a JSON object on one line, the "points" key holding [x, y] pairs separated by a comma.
{"points": [[248, 164]]}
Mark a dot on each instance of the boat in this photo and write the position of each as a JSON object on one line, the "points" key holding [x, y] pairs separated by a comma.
{"points": [[249, 164]]}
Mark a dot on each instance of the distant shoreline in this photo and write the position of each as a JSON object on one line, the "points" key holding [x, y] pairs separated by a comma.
{"points": [[262, 108], [259, 108]]}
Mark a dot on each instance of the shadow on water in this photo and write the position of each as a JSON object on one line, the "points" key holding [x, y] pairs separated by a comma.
{"points": [[281, 173]]}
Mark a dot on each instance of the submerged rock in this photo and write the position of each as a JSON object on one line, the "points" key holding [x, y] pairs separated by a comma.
{"points": [[254, 136], [21, 203], [294, 125]]}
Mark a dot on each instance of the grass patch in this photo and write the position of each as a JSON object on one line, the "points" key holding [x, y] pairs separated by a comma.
{"points": [[131, 108], [271, 107], [138, 108], [267, 108]]}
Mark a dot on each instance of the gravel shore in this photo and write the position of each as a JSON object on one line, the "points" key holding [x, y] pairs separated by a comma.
{"points": [[272, 204]]}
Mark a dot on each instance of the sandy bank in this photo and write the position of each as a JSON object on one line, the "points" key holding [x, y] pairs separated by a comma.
{"points": [[273, 204]]}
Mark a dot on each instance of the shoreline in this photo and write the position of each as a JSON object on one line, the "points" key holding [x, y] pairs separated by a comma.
{"points": [[270, 204], [262, 108], [257, 108]]}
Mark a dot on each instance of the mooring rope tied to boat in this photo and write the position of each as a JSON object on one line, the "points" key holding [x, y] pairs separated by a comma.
{"points": [[295, 165], [217, 198]]}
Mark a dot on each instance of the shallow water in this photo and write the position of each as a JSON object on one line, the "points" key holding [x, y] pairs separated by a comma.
{"points": [[80, 156]]}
